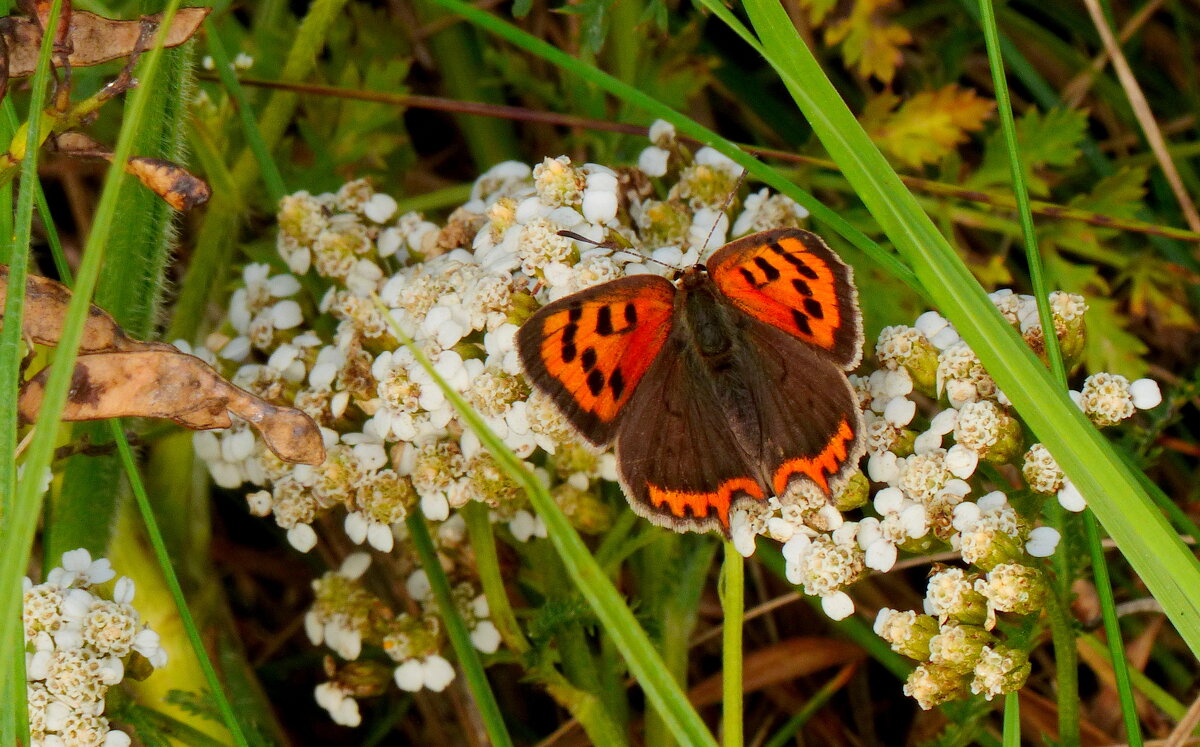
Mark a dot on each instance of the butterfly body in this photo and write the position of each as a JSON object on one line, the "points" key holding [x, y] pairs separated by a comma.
{"points": [[720, 388]]}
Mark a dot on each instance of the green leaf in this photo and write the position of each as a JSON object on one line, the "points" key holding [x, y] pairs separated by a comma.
{"points": [[1052, 139]]}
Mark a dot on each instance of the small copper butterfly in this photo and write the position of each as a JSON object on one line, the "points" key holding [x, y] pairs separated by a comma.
{"points": [[719, 388]]}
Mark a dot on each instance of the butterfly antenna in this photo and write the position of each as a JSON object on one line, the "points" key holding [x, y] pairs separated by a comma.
{"points": [[615, 247], [725, 205]]}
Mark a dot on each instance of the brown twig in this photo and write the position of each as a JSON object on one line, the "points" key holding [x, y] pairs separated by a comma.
{"points": [[1145, 117], [927, 186], [1079, 86]]}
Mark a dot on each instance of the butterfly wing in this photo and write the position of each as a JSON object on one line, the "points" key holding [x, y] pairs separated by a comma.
{"points": [[590, 350], [809, 424], [792, 280], [680, 465]]}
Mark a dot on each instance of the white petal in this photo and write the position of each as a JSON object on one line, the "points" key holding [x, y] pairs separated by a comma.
{"points": [[282, 286], [1145, 393], [410, 676], [961, 461], [888, 501], [881, 556], [1043, 541], [438, 673], [302, 537], [286, 315], [838, 605], [1070, 498], [883, 467], [900, 411], [486, 637], [355, 526], [380, 537], [380, 207]]}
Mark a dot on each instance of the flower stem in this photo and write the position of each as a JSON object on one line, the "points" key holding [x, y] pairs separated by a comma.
{"points": [[456, 629], [1062, 632], [733, 589]]}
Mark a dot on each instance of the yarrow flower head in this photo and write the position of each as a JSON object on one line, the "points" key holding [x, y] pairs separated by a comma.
{"points": [[80, 642]]}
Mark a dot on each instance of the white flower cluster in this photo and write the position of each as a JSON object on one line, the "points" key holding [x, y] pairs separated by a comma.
{"points": [[78, 642], [928, 487], [345, 615]]}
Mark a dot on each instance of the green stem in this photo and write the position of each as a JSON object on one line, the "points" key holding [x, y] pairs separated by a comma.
{"points": [[1008, 127], [1066, 666], [1012, 719], [487, 564], [733, 597], [456, 629], [1112, 630]]}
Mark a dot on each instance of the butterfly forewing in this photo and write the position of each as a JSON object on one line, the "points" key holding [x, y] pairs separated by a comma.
{"points": [[792, 280], [590, 350]]}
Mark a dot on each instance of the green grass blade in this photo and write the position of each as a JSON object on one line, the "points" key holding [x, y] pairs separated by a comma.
{"points": [[21, 522], [271, 177], [1012, 719], [1112, 490], [216, 689], [14, 726], [614, 615]]}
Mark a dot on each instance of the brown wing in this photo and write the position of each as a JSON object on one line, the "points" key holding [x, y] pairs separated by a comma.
{"points": [[590, 350], [679, 462], [792, 280], [810, 424]]}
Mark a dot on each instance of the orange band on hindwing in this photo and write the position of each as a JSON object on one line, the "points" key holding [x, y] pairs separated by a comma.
{"points": [[685, 504], [818, 468]]}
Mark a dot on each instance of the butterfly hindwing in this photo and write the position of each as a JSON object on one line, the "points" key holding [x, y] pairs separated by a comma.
{"points": [[590, 350], [679, 463], [792, 280], [810, 421]]}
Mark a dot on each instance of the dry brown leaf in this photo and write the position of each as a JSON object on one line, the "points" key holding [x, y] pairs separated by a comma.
{"points": [[781, 662], [94, 39], [178, 387], [46, 304]]}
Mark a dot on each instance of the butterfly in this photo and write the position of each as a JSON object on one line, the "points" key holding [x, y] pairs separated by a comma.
{"points": [[719, 388]]}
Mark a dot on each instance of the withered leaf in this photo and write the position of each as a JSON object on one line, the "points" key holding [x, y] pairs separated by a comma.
{"points": [[94, 39], [46, 304], [178, 387]]}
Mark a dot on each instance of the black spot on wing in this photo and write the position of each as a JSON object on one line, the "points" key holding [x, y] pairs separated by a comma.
{"points": [[801, 287], [569, 352], [813, 307], [630, 314], [595, 382], [748, 276], [575, 313], [801, 321], [616, 383], [800, 265], [604, 325], [770, 272], [588, 359]]}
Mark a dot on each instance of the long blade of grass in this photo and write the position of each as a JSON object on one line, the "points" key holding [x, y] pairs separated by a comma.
{"points": [[21, 522], [614, 615], [1152, 548], [14, 726], [216, 690]]}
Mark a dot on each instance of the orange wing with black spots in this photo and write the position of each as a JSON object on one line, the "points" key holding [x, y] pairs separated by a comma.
{"points": [[792, 280], [590, 350]]}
